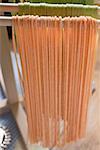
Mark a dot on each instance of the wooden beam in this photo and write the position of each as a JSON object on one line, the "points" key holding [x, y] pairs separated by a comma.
{"points": [[8, 7], [14, 7], [5, 21], [21, 119], [97, 2], [6, 66]]}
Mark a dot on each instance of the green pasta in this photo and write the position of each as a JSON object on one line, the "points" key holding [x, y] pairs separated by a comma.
{"points": [[44, 9], [85, 2]]}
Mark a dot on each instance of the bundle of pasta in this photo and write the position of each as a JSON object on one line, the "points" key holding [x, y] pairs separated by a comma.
{"points": [[57, 56]]}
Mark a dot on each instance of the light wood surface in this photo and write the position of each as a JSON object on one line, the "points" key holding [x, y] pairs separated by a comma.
{"points": [[6, 66]]}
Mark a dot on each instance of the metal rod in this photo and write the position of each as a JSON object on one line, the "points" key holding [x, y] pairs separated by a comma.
{"points": [[8, 7], [7, 21]]}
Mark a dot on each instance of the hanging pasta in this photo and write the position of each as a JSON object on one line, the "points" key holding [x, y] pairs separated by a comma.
{"points": [[57, 56], [64, 10], [90, 2]]}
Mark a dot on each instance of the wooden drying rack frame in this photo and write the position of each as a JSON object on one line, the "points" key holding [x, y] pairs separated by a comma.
{"points": [[14, 101], [13, 7]]}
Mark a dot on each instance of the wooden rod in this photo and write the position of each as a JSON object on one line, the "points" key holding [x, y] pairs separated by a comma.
{"points": [[9, 7], [97, 2], [14, 7], [7, 21]]}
